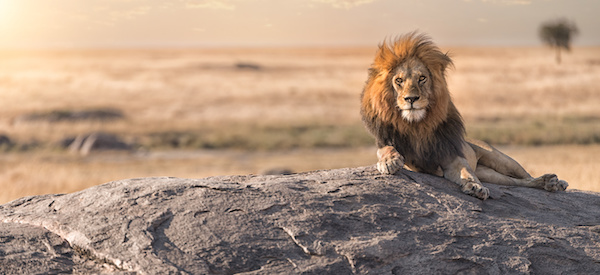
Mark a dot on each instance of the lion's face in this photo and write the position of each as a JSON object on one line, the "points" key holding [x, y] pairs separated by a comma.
{"points": [[413, 90]]}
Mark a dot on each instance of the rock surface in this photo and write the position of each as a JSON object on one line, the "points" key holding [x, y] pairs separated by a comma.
{"points": [[98, 141], [325, 222], [100, 114]]}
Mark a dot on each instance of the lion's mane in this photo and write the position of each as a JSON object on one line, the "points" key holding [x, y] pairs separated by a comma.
{"points": [[427, 143]]}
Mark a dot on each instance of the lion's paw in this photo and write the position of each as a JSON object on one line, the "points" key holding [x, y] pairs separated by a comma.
{"points": [[475, 189], [390, 161], [550, 182], [562, 185]]}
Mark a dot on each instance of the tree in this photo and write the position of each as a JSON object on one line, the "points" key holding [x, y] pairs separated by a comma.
{"points": [[558, 34]]}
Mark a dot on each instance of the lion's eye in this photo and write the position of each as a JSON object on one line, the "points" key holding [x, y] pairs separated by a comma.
{"points": [[399, 81], [422, 79]]}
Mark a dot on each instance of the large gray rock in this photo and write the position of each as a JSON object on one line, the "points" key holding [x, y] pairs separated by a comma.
{"points": [[325, 222]]}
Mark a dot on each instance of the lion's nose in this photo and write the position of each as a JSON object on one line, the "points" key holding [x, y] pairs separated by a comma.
{"points": [[411, 99]]}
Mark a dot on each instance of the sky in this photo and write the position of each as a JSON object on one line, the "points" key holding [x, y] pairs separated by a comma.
{"points": [[235, 23]]}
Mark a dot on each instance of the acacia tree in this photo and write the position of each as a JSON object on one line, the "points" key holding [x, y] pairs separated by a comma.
{"points": [[558, 34]]}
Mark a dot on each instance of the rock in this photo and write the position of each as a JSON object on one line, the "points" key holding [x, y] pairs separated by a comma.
{"points": [[248, 66], [5, 142], [345, 221], [28, 249], [84, 144], [277, 171], [100, 114]]}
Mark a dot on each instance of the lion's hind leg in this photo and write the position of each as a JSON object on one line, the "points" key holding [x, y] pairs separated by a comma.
{"points": [[494, 166], [548, 182], [487, 174], [492, 158]]}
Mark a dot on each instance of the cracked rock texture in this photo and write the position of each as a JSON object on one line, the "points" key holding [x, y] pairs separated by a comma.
{"points": [[325, 222]]}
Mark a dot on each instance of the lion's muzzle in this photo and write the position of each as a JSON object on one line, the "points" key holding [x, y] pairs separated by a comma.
{"points": [[411, 99], [413, 107]]}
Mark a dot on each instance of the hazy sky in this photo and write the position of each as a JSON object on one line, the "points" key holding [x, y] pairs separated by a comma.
{"points": [[133, 23]]}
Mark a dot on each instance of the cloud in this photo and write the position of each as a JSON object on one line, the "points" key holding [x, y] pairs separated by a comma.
{"points": [[345, 4], [100, 15], [513, 2], [130, 13], [210, 4], [506, 2]]}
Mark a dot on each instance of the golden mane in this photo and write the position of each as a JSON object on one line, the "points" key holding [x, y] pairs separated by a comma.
{"points": [[382, 115], [379, 99]]}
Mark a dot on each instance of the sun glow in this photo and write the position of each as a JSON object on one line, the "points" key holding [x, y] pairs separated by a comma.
{"points": [[4, 9], [12, 20], [7, 13]]}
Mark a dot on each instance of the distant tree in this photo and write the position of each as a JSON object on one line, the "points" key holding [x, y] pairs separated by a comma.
{"points": [[558, 34]]}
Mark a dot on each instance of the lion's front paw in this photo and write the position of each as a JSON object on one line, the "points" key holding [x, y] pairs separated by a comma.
{"points": [[390, 161], [551, 183], [475, 189]]}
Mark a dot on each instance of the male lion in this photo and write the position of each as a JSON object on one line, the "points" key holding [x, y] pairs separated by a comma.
{"points": [[407, 107]]}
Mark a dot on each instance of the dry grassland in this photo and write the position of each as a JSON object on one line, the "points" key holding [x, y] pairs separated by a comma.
{"points": [[195, 113]]}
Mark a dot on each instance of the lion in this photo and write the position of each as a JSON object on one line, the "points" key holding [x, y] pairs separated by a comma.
{"points": [[407, 107]]}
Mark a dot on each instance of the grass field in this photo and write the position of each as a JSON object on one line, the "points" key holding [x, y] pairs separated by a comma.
{"points": [[196, 113]]}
